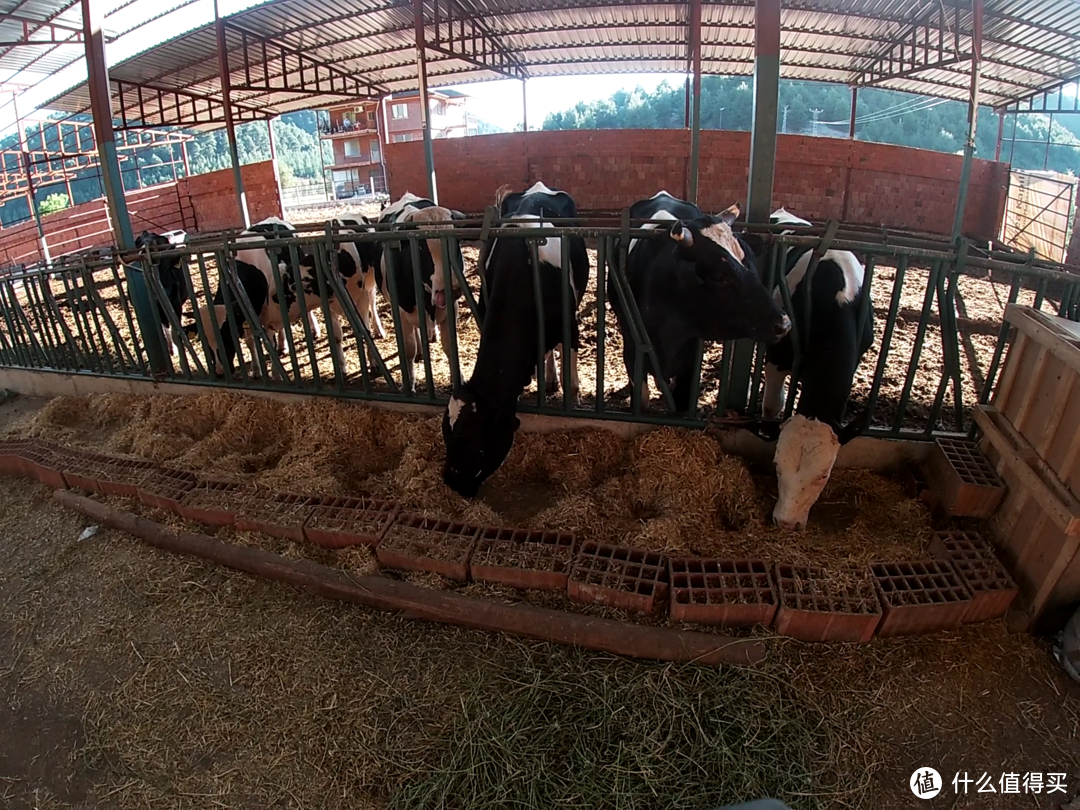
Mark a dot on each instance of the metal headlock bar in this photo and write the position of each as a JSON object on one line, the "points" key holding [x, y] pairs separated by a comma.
{"points": [[76, 315]]}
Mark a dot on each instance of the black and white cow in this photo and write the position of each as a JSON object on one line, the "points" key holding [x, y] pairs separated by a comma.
{"points": [[809, 441], [480, 421], [701, 283], [255, 286], [357, 262], [171, 271], [417, 212]]}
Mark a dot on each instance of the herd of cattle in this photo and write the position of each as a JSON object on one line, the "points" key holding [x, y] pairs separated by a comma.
{"points": [[702, 283]]}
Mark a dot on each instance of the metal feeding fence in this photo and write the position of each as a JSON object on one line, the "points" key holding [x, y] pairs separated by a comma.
{"points": [[937, 309]]}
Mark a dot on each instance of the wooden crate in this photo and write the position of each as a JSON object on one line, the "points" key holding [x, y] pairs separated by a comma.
{"points": [[1038, 391], [1036, 527]]}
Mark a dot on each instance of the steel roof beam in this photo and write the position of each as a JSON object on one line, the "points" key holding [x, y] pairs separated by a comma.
{"points": [[906, 54], [269, 51], [175, 107], [474, 42]]}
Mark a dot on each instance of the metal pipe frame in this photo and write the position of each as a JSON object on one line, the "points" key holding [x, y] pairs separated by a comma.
{"points": [[473, 42], [695, 123], [906, 55], [854, 112], [766, 101], [973, 117], [230, 124], [425, 111], [175, 107]]}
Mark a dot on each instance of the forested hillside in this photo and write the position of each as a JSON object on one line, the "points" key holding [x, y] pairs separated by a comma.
{"points": [[884, 116]]}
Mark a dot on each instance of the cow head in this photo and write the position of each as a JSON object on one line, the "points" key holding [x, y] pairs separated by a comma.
{"points": [[805, 454], [726, 299], [478, 438]]}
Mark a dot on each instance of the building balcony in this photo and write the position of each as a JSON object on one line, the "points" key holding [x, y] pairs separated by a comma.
{"points": [[342, 131], [353, 163]]}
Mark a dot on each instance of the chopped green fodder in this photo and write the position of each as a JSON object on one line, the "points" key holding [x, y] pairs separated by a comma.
{"points": [[576, 729]]}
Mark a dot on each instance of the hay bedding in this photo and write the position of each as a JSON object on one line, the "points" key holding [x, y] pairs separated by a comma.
{"points": [[667, 490]]}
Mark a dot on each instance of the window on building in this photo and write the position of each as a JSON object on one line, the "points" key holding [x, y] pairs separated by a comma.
{"points": [[403, 137], [371, 120], [438, 107], [399, 111], [352, 148], [373, 146]]}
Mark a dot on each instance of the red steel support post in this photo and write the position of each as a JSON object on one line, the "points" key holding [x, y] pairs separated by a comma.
{"points": [[695, 127], [854, 107], [230, 123], [973, 115], [425, 112]]}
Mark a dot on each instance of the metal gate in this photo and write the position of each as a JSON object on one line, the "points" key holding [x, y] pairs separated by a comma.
{"points": [[1038, 213]]}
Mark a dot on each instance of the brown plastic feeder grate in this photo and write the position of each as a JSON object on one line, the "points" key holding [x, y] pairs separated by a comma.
{"points": [[212, 503], [992, 589], [84, 470], [121, 476], [45, 463], [416, 543], [523, 559], [164, 488], [818, 604], [919, 597], [12, 456], [729, 593], [951, 545], [966, 482], [341, 522], [627, 578], [277, 514]]}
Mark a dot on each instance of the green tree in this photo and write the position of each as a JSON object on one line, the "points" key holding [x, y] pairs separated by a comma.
{"points": [[54, 203]]}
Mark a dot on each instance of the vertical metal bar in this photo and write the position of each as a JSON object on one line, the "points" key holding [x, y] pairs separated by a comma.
{"points": [[421, 315], [34, 286], [230, 124], [305, 317], [278, 291], [126, 308], [1000, 135], [31, 194], [854, 107], [601, 319], [223, 268], [916, 352], [18, 346], [324, 266], [999, 347], [390, 271], [524, 105], [101, 109], [88, 282], [766, 99], [534, 260], [73, 346], [695, 128], [569, 310], [47, 337], [886, 337], [34, 352], [425, 113], [38, 350], [1040, 294], [973, 116], [448, 246]]}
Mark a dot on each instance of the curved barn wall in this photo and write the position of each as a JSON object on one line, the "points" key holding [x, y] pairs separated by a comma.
{"points": [[820, 178]]}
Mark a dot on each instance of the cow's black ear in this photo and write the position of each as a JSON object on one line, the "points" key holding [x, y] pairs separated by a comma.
{"points": [[457, 215]]}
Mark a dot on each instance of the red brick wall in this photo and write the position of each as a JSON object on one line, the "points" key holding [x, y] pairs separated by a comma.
{"points": [[204, 202], [213, 196], [819, 178]]}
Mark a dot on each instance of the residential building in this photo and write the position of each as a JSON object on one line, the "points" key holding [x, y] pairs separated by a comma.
{"points": [[357, 129]]}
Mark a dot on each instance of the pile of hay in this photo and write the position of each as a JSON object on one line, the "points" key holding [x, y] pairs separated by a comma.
{"points": [[668, 489]]}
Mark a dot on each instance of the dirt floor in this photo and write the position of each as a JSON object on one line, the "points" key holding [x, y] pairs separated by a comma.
{"points": [[135, 678], [98, 330]]}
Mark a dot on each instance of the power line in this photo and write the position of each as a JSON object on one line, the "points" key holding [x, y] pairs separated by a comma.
{"points": [[891, 112]]}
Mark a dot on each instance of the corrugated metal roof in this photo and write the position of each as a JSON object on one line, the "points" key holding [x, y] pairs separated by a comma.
{"points": [[1029, 46]]}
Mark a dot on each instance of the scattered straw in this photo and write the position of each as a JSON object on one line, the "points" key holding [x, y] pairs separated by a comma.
{"points": [[668, 489]]}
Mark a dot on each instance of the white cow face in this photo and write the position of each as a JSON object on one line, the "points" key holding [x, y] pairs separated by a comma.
{"points": [[804, 458]]}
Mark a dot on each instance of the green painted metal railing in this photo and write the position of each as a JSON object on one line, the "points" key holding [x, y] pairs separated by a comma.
{"points": [[926, 369]]}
